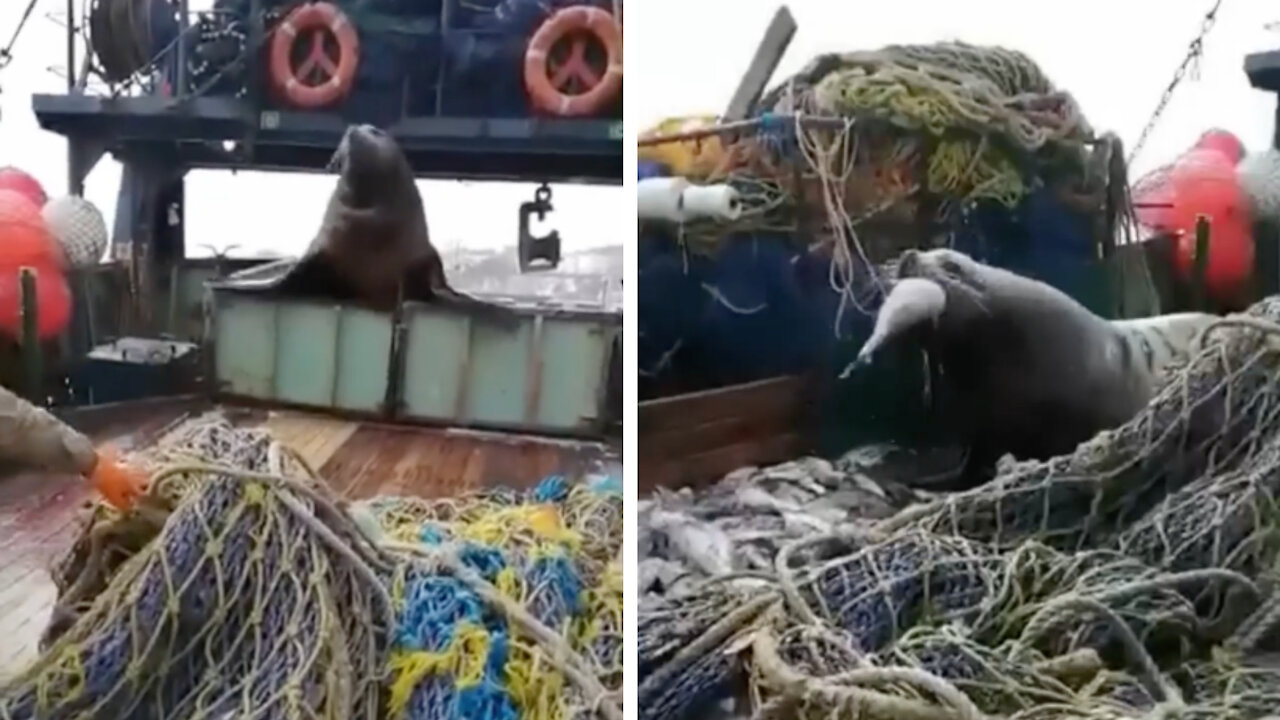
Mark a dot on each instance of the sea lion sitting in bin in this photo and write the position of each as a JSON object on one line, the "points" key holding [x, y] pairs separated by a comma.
{"points": [[373, 247], [1035, 373]]}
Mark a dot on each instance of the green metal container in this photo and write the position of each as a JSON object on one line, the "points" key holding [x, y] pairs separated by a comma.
{"points": [[431, 365]]}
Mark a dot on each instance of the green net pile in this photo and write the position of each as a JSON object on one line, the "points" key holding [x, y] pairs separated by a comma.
{"points": [[983, 122], [903, 139], [1131, 579]]}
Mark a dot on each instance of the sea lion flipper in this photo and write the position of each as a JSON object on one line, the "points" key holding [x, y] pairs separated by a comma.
{"points": [[496, 314], [425, 282]]}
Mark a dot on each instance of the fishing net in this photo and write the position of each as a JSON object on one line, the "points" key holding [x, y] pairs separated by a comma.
{"points": [[240, 586], [895, 132], [1131, 579]]}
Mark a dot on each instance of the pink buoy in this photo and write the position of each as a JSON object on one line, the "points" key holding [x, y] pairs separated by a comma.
{"points": [[22, 182], [25, 238]]}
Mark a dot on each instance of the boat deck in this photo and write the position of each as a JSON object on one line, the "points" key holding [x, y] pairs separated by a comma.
{"points": [[40, 513]]}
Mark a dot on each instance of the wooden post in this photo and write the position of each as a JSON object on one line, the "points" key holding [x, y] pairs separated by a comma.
{"points": [[32, 363], [777, 37], [1201, 265]]}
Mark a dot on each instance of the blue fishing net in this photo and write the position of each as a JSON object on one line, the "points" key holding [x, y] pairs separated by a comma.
{"points": [[261, 597]]}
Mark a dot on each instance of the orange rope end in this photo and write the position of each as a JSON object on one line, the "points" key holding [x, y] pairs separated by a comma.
{"points": [[118, 483]]}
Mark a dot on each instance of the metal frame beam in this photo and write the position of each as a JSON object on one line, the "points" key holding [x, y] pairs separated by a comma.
{"points": [[195, 130]]}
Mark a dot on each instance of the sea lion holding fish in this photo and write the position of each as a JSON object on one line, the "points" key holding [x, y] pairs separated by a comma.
{"points": [[1035, 372], [373, 247]]}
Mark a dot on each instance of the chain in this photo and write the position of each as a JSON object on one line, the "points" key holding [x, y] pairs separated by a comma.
{"points": [[1191, 62], [6, 52]]}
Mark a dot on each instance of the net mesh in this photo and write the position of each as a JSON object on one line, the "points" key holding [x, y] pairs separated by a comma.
{"points": [[241, 587], [1130, 579]]}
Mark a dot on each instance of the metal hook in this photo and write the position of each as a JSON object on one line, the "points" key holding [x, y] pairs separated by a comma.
{"points": [[532, 248]]}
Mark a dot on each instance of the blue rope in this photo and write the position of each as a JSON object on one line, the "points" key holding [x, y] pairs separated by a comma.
{"points": [[430, 535], [436, 604], [558, 586], [487, 561], [552, 489], [777, 133]]}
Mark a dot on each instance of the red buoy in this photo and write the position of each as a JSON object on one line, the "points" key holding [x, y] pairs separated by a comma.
{"points": [[53, 298], [1203, 181], [11, 178], [1222, 141], [25, 238]]}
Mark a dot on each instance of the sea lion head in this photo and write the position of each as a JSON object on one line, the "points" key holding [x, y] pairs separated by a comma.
{"points": [[371, 166], [967, 283]]}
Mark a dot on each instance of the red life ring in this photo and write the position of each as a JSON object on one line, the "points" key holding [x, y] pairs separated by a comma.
{"points": [[319, 21], [569, 86]]}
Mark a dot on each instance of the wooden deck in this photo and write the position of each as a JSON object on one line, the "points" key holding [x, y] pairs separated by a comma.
{"points": [[694, 439], [39, 513]]}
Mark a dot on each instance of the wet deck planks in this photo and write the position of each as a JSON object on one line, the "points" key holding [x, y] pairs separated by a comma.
{"points": [[39, 513], [39, 517]]}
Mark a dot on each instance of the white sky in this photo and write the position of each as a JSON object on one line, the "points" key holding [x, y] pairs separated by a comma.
{"points": [[259, 211], [1114, 56]]}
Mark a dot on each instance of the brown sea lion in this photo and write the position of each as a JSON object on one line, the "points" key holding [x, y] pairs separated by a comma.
{"points": [[373, 247], [1035, 372]]}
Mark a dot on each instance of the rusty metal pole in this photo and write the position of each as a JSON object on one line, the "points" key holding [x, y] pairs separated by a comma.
{"points": [[32, 362], [1201, 266]]}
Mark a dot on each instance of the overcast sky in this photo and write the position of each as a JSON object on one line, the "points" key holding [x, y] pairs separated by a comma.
{"points": [[1115, 56], [269, 210]]}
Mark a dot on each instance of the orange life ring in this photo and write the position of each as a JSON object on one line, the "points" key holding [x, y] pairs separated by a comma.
{"points": [[318, 20], [572, 88]]}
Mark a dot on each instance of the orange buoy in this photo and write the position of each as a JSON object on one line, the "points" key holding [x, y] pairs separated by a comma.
{"points": [[25, 238], [320, 79], [53, 302], [117, 482], [558, 74], [11, 178], [1203, 181]]}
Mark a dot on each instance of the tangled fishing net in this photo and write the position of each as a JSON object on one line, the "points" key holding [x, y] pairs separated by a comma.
{"points": [[242, 588], [1134, 578], [908, 133]]}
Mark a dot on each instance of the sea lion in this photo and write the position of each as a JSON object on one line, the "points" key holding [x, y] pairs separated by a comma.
{"points": [[1034, 372], [373, 247]]}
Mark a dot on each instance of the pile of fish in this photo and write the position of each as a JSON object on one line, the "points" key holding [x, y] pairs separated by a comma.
{"points": [[738, 524]]}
